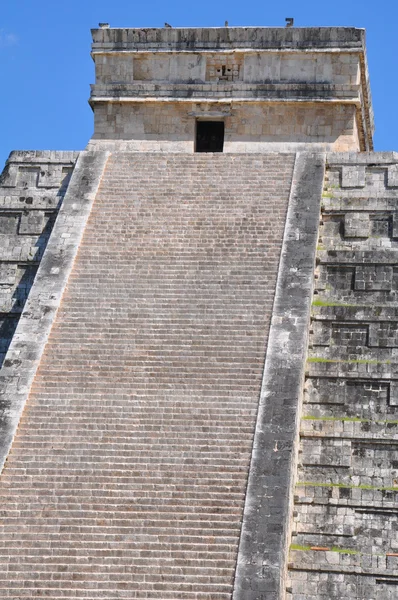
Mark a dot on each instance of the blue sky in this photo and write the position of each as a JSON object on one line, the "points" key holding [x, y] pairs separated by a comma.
{"points": [[46, 65]]}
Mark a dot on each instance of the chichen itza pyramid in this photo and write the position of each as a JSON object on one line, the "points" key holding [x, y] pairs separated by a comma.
{"points": [[199, 383]]}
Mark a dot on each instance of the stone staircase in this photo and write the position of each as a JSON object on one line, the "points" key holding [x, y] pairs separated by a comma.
{"points": [[128, 473]]}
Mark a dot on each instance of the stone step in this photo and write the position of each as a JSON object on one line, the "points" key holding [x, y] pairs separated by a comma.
{"points": [[128, 474]]}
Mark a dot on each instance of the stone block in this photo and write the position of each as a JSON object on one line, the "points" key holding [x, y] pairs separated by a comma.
{"points": [[356, 225], [353, 176], [28, 177], [392, 176], [395, 225], [321, 333], [381, 227], [9, 176], [326, 452], [373, 278], [350, 336], [50, 176], [8, 273], [339, 278], [32, 222], [9, 223], [393, 395], [383, 335]]}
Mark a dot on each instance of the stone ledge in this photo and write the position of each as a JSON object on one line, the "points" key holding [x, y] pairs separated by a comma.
{"points": [[233, 91], [43, 156], [361, 158], [202, 38]]}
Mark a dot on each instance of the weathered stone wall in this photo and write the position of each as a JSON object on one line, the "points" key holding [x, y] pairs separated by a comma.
{"points": [[249, 127], [207, 39], [32, 187], [249, 67], [344, 542], [306, 67], [285, 90]]}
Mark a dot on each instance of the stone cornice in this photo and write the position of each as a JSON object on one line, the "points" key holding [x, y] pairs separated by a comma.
{"points": [[227, 91], [225, 38]]}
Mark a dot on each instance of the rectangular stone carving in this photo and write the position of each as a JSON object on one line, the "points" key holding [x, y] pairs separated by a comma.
{"points": [[393, 396], [381, 457], [28, 177], [9, 223], [349, 336], [320, 391], [353, 177], [356, 225], [9, 176], [326, 452], [21, 284], [50, 176], [373, 278], [383, 335], [65, 177], [392, 176], [32, 223], [320, 333], [361, 398], [8, 272], [395, 225], [381, 227], [340, 277], [366, 398], [223, 68]]}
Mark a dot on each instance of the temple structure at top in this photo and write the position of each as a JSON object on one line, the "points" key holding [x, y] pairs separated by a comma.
{"points": [[237, 89]]}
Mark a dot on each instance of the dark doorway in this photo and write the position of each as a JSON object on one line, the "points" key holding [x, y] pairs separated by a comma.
{"points": [[209, 136]]}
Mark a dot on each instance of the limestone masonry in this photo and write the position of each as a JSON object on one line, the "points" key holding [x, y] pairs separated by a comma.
{"points": [[199, 341], [274, 89]]}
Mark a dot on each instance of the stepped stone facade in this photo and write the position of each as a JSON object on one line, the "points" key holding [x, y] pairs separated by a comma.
{"points": [[31, 190], [199, 320]]}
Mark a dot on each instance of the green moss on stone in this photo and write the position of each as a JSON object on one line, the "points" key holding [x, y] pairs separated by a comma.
{"points": [[360, 361], [316, 359], [344, 550], [300, 548], [350, 420], [321, 302], [345, 485]]}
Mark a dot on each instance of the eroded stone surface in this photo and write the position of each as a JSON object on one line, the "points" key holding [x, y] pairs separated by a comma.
{"points": [[345, 520], [264, 541], [32, 187], [275, 89]]}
